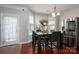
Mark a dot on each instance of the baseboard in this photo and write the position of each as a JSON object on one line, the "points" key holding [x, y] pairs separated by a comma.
{"points": [[25, 42], [16, 43]]}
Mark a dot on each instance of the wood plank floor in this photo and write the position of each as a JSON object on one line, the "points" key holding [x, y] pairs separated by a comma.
{"points": [[65, 50], [27, 49]]}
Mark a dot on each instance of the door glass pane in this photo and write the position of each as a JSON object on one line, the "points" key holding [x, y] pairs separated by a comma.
{"points": [[9, 26]]}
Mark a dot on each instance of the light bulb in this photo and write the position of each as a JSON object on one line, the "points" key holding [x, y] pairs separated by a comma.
{"points": [[71, 19], [53, 14], [58, 13]]}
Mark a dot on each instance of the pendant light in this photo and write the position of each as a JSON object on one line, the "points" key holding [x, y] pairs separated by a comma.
{"points": [[55, 13]]}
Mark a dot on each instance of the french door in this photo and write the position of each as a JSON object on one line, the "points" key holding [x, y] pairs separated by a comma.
{"points": [[9, 29]]}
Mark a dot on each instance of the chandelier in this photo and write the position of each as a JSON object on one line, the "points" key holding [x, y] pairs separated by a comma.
{"points": [[55, 13]]}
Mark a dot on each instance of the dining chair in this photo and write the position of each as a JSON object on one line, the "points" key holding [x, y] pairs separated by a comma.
{"points": [[55, 40]]}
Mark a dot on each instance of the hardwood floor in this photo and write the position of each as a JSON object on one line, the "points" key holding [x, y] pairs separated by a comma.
{"points": [[65, 50], [27, 49], [11, 49]]}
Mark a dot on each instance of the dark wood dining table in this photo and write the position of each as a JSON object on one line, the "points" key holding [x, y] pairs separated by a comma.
{"points": [[45, 38]]}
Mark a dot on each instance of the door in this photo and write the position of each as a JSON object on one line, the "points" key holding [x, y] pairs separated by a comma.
{"points": [[9, 30]]}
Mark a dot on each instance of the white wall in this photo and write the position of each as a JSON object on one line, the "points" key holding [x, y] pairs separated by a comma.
{"points": [[23, 21], [74, 12]]}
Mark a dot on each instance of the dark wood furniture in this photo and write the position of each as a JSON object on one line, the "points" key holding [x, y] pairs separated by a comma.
{"points": [[43, 41], [34, 40], [56, 40]]}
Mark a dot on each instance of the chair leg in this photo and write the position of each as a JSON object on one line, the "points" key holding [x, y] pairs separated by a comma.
{"points": [[51, 47]]}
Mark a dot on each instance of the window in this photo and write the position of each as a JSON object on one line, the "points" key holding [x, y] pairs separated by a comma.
{"points": [[31, 20], [51, 24], [31, 25], [9, 28]]}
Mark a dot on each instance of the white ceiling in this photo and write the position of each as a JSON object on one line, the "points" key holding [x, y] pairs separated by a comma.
{"points": [[48, 8]]}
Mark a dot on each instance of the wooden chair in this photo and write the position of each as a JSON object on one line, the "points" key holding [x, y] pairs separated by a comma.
{"points": [[55, 40], [37, 42], [34, 40]]}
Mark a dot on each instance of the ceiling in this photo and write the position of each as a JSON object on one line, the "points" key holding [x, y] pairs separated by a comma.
{"points": [[48, 8]]}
